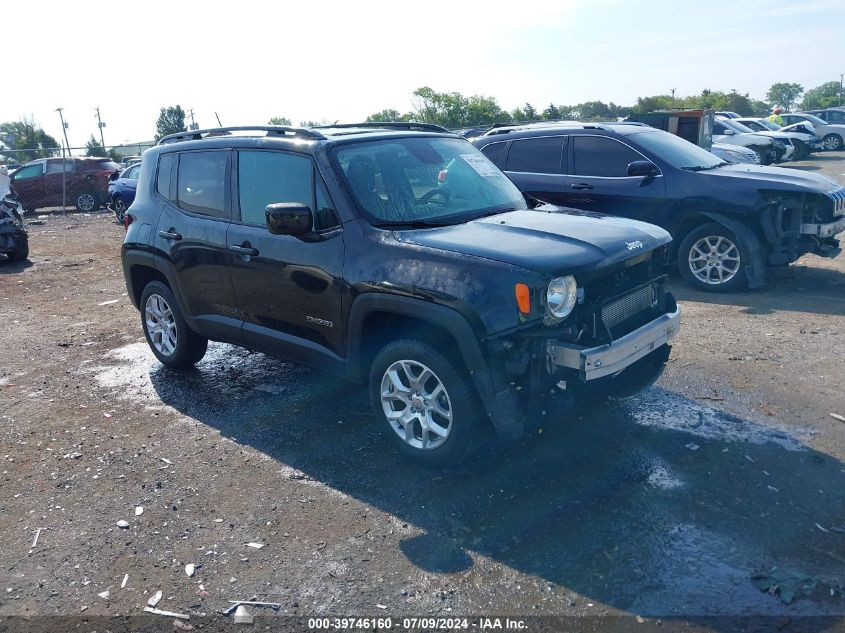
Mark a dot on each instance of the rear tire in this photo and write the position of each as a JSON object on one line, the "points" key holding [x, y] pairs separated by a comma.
{"points": [[832, 142], [711, 258], [174, 344], [436, 417], [87, 201]]}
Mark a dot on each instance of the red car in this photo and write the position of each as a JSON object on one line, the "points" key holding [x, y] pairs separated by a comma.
{"points": [[39, 183]]}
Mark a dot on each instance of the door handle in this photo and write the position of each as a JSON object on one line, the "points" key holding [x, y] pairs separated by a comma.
{"points": [[244, 250], [580, 185], [170, 235]]}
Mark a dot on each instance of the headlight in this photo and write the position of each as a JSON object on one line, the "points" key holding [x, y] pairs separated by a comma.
{"points": [[561, 296]]}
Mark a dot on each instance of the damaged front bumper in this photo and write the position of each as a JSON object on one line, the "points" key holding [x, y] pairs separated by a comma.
{"points": [[828, 229], [540, 376], [612, 358]]}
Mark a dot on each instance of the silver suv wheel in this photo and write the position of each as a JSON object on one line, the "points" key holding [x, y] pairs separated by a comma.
{"points": [[416, 404], [160, 324], [714, 259]]}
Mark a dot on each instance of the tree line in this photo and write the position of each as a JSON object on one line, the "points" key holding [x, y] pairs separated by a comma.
{"points": [[456, 110]]}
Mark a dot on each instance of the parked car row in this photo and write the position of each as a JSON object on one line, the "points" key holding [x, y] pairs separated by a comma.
{"points": [[828, 124], [52, 182]]}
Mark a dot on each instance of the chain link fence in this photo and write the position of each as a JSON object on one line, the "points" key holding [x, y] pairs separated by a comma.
{"points": [[59, 180]]}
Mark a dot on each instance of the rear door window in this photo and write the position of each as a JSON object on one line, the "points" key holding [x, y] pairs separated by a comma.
{"points": [[602, 156], [536, 155], [201, 183], [59, 166]]}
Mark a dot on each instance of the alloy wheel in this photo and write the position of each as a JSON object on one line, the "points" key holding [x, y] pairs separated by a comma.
{"points": [[714, 259], [416, 404], [161, 324], [86, 202]]}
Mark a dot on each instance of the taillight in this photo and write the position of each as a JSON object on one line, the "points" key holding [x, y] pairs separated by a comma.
{"points": [[127, 220]]}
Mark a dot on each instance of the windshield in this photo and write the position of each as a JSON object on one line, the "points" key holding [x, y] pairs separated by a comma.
{"points": [[774, 127], [813, 119], [425, 181], [737, 127], [676, 151]]}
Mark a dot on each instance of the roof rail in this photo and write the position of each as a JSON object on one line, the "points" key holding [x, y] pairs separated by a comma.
{"points": [[389, 125], [271, 130], [507, 128]]}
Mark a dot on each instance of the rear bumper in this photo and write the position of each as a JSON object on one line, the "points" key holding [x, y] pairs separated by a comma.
{"points": [[828, 229], [604, 360]]}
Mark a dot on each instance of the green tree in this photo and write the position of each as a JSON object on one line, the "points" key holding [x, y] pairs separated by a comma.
{"points": [[551, 113], [387, 115], [25, 135], [170, 121], [823, 96], [530, 112], [784, 94], [656, 102], [454, 110], [93, 148], [320, 123], [279, 120]]}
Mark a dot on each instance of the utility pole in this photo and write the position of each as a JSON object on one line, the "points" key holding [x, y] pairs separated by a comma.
{"points": [[841, 76], [219, 124], [64, 128], [101, 125], [193, 126], [673, 95]]}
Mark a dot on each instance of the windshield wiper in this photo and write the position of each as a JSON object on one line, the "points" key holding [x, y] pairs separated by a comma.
{"points": [[704, 167], [411, 224]]}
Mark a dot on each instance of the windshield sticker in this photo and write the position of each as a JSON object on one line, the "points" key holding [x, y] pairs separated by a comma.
{"points": [[480, 164]]}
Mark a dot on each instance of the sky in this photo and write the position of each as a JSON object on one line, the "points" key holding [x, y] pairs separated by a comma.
{"points": [[339, 60]]}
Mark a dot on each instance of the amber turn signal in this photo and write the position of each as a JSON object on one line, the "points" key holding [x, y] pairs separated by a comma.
{"points": [[523, 298]]}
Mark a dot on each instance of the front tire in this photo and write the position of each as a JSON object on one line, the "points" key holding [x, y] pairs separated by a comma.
{"points": [[21, 250], [427, 406], [711, 258], [174, 344], [832, 142]]}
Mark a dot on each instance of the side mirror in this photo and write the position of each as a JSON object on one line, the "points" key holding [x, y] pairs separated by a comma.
{"points": [[115, 175], [642, 168], [289, 218]]}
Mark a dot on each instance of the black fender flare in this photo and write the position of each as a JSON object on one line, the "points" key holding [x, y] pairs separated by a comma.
{"points": [[756, 269], [148, 259], [441, 316]]}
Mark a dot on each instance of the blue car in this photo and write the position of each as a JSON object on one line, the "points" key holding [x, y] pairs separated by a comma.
{"points": [[122, 190]]}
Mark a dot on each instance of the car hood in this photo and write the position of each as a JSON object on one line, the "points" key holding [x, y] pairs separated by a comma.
{"points": [[744, 140], [775, 177], [780, 134], [550, 240]]}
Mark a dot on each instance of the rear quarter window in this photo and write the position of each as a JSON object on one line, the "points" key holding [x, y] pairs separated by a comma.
{"points": [[163, 179]]}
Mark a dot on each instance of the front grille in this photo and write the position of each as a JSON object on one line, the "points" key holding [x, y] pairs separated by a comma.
{"points": [[838, 197], [615, 312]]}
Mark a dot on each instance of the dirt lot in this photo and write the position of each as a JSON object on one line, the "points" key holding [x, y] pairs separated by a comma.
{"points": [[664, 506]]}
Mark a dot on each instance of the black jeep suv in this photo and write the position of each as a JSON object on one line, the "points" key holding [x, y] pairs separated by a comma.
{"points": [[400, 256], [728, 222]]}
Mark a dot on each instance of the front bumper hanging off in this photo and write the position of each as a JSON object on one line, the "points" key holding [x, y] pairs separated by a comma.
{"points": [[611, 358]]}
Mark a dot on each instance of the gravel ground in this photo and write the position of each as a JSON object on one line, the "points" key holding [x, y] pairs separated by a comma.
{"points": [[664, 506]]}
